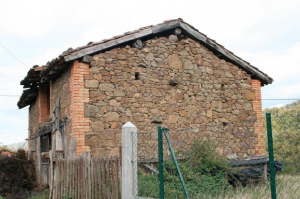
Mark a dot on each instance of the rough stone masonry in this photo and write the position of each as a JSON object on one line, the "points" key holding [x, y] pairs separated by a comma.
{"points": [[175, 82]]}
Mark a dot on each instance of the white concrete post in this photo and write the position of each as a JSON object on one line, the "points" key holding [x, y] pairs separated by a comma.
{"points": [[129, 162]]}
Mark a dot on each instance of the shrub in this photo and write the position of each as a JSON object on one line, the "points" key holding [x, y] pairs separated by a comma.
{"points": [[21, 154], [204, 172]]}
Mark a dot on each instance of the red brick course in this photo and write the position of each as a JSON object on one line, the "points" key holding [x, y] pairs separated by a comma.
{"points": [[43, 103], [79, 95], [257, 107]]}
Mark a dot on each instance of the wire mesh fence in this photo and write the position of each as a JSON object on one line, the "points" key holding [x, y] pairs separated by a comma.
{"points": [[286, 140], [243, 172]]}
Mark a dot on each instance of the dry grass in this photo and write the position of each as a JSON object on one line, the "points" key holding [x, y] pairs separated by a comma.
{"points": [[288, 186]]}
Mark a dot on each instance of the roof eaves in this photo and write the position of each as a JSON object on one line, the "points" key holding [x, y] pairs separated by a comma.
{"points": [[53, 68]]}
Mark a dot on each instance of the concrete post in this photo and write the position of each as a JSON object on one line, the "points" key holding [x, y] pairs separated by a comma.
{"points": [[129, 161]]}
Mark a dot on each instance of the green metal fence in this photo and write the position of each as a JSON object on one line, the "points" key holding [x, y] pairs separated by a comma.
{"points": [[285, 137], [201, 173]]}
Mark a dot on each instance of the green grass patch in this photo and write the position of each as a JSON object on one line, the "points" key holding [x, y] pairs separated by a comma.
{"points": [[204, 171], [43, 195]]}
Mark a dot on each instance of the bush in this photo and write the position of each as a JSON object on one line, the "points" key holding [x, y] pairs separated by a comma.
{"points": [[17, 177], [21, 154], [204, 172]]}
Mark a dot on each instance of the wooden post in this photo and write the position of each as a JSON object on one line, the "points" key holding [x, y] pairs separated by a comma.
{"points": [[265, 174], [129, 177]]}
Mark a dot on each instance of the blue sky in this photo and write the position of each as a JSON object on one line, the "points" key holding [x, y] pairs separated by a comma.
{"points": [[265, 33]]}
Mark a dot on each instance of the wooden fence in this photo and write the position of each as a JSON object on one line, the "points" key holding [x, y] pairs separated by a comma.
{"points": [[86, 178]]}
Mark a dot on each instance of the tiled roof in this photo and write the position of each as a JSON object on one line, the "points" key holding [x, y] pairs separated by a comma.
{"points": [[57, 65]]}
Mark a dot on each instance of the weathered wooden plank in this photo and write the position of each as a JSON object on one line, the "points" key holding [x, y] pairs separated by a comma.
{"points": [[115, 177], [193, 32], [93, 174], [86, 178], [99, 177], [58, 180], [151, 168], [92, 178], [89, 177], [103, 178], [65, 177], [111, 168], [51, 179], [54, 183], [76, 178], [99, 188], [80, 188], [87, 174], [106, 45], [108, 178], [69, 170], [165, 26], [61, 178], [96, 176], [116, 180], [156, 160], [72, 147], [72, 179], [83, 187]]}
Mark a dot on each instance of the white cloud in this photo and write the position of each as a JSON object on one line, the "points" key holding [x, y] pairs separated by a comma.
{"points": [[234, 24], [284, 69], [278, 105], [281, 66], [13, 138]]}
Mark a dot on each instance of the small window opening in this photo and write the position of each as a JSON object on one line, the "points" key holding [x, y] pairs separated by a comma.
{"points": [[136, 76], [223, 87], [46, 142]]}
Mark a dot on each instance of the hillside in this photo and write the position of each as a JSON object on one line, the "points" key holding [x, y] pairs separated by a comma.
{"points": [[286, 135], [288, 109], [15, 146]]}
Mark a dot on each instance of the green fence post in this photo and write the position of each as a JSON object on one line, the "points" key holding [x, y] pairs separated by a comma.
{"points": [[161, 164], [176, 163], [271, 156]]}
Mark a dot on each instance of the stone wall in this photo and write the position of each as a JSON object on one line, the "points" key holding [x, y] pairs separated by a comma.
{"points": [[179, 83], [33, 122], [60, 88], [34, 151], [33, 117]]}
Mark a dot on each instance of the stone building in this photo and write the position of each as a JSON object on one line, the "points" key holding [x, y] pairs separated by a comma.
{"points": [[169, 74]]}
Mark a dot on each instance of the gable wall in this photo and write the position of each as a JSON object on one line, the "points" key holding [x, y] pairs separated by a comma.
{"points": [[210, 91]]}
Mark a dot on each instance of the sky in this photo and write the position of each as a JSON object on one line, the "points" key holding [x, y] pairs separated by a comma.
{"points": [[265, 33]]}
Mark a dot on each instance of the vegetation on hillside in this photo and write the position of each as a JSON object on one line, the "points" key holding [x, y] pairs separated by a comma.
{"points": [[286, 135], [2, 146]]}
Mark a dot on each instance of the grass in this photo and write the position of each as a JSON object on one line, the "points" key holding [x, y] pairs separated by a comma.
{"points": [[43, 195], [288, 186], [206, 175]]}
